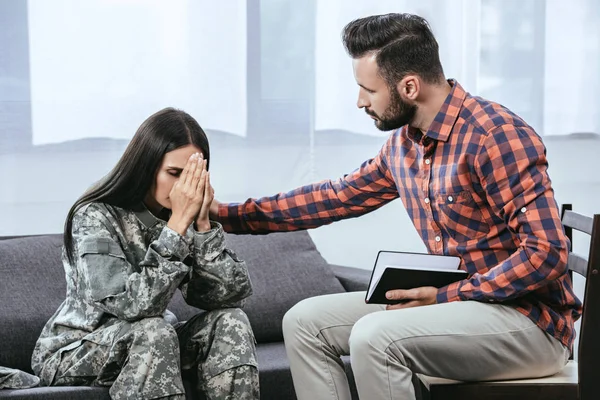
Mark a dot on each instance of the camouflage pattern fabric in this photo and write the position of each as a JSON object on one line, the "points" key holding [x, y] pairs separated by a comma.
{"points": [[112, 329], [219, 347], [15, 379]]}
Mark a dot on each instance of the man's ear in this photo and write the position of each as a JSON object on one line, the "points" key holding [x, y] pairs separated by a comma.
{"points": [[409, 87]]}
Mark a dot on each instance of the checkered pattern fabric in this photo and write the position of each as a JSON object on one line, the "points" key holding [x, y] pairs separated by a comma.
{"points": [[475, 185]]}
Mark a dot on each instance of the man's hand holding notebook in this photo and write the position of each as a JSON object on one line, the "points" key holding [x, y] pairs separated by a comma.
{"points": [[400, 270]]}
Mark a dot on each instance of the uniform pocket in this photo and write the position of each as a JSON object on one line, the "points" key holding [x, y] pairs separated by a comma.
{"points": [[104, 267], [460, 216]]}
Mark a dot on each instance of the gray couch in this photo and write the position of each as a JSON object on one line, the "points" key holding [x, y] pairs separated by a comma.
{"points": [[285, 268]]}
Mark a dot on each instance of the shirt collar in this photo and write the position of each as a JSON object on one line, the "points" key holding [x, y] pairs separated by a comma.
{"points": [[442, 125]]}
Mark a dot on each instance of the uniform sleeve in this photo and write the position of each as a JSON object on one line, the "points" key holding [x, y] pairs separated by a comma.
{"points": [[111, 283], [367, 188], [513, 170], [218, 278]]}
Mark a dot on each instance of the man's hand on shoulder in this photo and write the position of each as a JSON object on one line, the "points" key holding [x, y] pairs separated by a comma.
{"points": [[416, 297]]}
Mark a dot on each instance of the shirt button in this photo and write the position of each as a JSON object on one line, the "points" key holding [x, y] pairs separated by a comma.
{"points": [[450, 199], [428, 161], [426, 200], [523, 209], [438, 239]]}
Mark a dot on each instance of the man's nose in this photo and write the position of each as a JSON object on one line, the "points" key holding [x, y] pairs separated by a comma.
{"points": [[361, 103]]}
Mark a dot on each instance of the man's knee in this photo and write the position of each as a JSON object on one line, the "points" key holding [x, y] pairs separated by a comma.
{"points": [[366, 336], [301, 316]]}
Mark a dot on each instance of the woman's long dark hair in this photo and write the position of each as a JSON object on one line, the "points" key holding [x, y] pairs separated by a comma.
{"points": [[130, 180]]}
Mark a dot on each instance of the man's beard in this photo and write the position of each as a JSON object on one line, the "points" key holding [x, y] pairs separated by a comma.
{"points": [[398, 114]]}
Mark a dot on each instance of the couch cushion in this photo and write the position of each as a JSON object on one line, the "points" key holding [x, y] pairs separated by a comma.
{"points": [[31, 289], [275, 375], [285, 268]]}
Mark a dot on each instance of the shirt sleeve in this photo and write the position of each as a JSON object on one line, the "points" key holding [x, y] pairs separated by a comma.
{"points": [[512, 167], [218, 278], [367, 188], [111, 283]]}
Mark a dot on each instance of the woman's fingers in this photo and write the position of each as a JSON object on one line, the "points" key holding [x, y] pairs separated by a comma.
{"points": [[201, 179], [195, 176], [207, 188], [192, 168], [207, 198], [207, 191], [184, 174]]}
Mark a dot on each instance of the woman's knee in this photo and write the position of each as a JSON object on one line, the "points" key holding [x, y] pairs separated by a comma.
{"points": [[231, 323], [153, 331], [230, 317]]}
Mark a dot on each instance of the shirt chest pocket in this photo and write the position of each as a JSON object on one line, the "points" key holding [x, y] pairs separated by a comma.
{"points": [[460, 216]]}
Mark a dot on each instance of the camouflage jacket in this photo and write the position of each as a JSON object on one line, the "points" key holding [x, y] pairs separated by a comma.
{"points": [[128, 264]]}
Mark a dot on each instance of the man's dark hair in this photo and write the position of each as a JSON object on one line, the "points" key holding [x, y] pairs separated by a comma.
{"points": [[403, 44]]}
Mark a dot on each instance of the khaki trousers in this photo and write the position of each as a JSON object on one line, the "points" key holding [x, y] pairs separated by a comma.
{"points": [[465, 340]]}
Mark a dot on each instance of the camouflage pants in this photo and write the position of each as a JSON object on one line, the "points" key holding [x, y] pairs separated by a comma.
{"points": [[144, 359]]}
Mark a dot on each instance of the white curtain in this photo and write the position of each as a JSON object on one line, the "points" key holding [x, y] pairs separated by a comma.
{"points": [[572, 67], [100, 67]]}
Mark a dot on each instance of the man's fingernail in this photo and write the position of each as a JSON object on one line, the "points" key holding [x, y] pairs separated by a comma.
{"points": [[388, 295]]}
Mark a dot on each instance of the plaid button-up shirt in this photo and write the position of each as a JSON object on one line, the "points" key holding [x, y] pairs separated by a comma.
{"points": [[476, 186]]}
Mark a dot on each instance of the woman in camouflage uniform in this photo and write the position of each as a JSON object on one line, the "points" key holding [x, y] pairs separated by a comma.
{"points": [[130, 242]]}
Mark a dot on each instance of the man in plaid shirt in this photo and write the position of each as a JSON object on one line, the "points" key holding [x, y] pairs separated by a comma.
{"points": [[473, 178]]}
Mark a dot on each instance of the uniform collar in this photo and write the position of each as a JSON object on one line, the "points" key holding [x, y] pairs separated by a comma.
{"points": [[145, 216]]}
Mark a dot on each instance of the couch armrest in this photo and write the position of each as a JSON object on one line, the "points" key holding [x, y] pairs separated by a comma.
{"points": [[352, 279]]}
